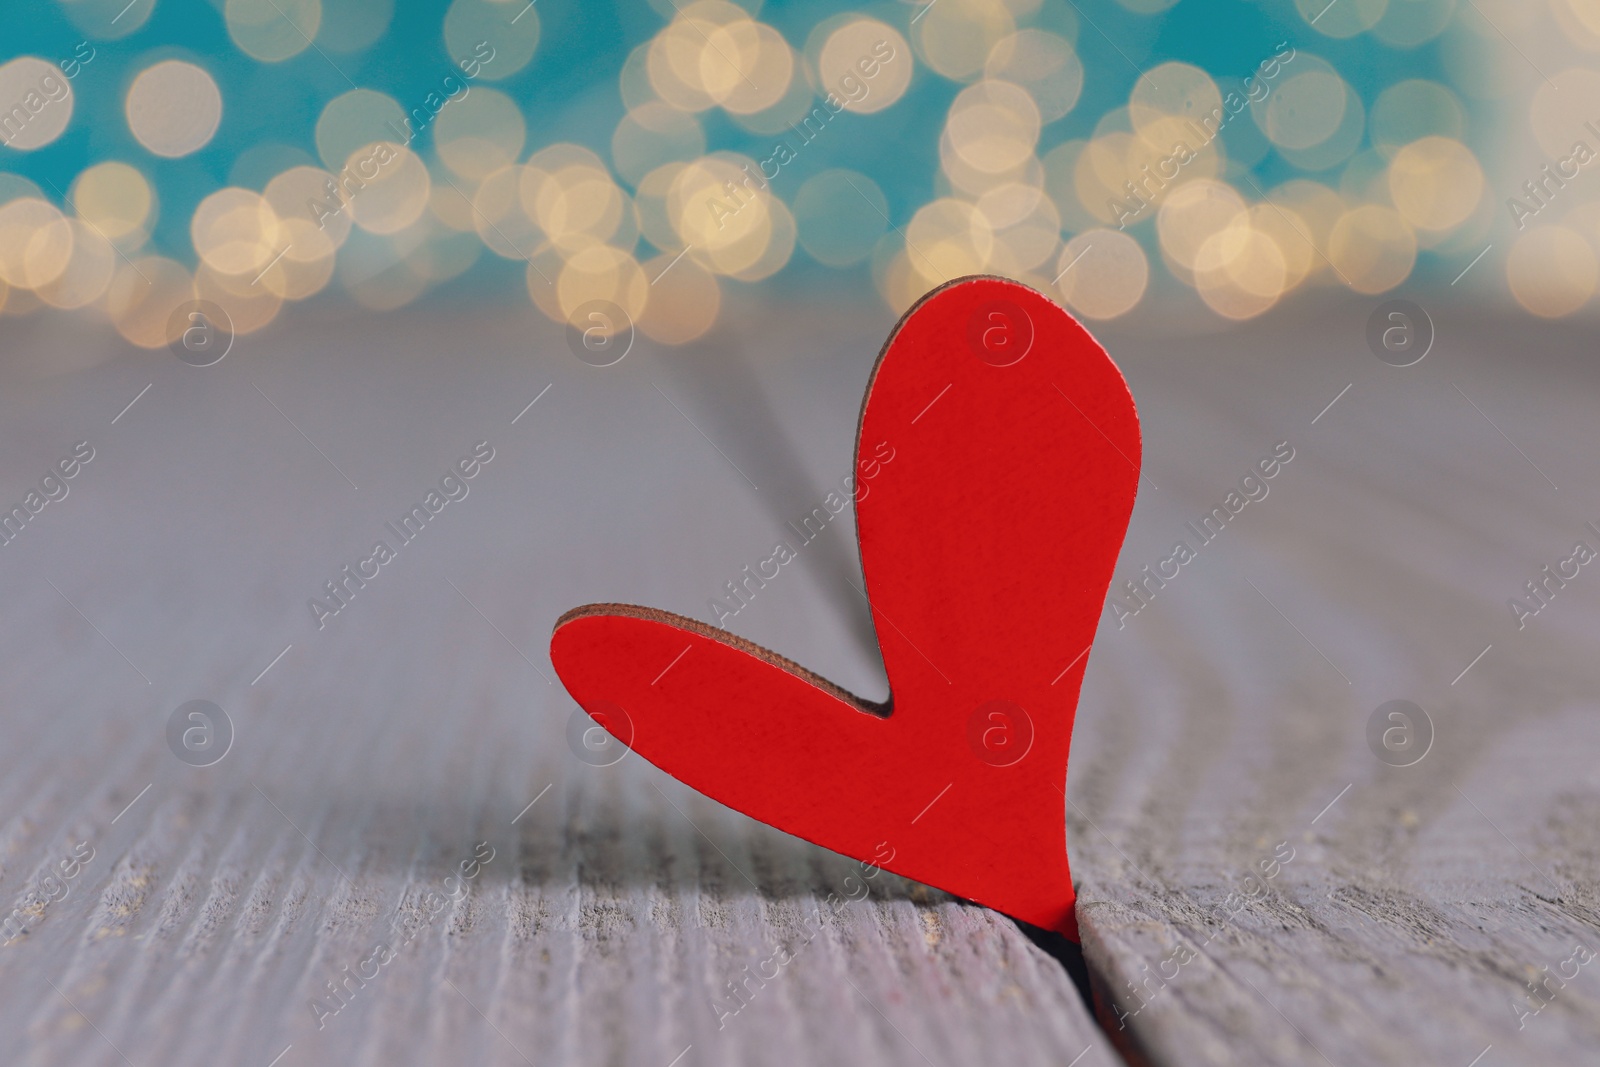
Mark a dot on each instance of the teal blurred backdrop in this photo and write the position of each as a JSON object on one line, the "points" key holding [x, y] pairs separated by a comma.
{"points": [[1215, 158]]}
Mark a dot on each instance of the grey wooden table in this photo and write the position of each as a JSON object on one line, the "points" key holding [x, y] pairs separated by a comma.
{"points": [[405, 857]]}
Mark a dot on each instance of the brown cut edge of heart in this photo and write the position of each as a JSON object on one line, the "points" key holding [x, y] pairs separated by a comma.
{"points": [[683, 622]]}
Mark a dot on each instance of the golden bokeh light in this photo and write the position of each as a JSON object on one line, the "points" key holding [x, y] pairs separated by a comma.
{"points": [[1307, 107], [37, 100], [296, 279], [1166, 151], [452, 206], [948, 238], [1100, 176], [1411, 110], [1373, 248], [445, 254], [731, 55], [1191, 214], [1472, 60], [1026, 225], [973, 182], [601, 272], [273, 30], [892, 273], [776, 248], [1010, 203], [696, 60], [117, 201], [865, 64], [87, 274], [310, 207], [1409, 23], [720, 205], [479, 133], [650, 201], [654, 134], [497, 215], [1059, 169], [143, 296], [1240, 271], [1292, 234], [1552, 271], [491, 39], [1175, 91], [544, 267], [569, 194], [955, 37], [633, 81], [1043, 63], [1579, 21], [768, 72], [173, 108], [1102, 274], [1435, 183], [235, 231], [735, 255], [249, 304], [35, 243], [1314, 209], [377, 273], [1365, 178], [1344, 19], [1338, 146], [312, 234], [1560, 108], [353, 120], [684, 301], [393, 190], [715, 172], [993, 126]]}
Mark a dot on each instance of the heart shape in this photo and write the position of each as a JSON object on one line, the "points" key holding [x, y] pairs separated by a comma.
{"points": [[987, 539]]}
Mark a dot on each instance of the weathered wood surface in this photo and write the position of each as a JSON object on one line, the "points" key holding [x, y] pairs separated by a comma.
{"points": [[1418, 906], [372, 759], [377, 753]]}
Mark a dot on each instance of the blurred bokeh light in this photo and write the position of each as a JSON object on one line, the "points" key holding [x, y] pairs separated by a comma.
{"points": [[1218, 158]]}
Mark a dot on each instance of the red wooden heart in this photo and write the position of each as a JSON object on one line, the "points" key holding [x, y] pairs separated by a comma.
{"points": [[987, 545]]}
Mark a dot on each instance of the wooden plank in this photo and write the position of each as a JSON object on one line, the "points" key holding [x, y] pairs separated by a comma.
{"points": [[373, 757], [1227, 722], [612, 912]]}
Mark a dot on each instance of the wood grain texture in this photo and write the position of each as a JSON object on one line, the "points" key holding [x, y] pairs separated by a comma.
{"points": [[412, 731], [378, 752], [1230, 715]]}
